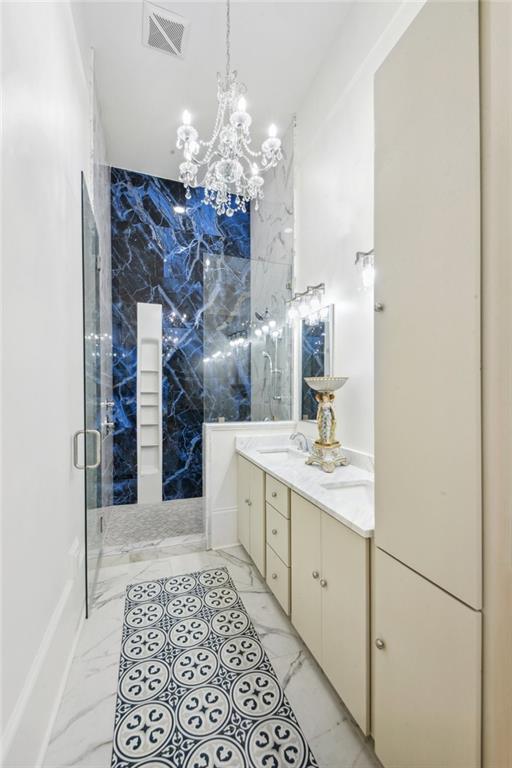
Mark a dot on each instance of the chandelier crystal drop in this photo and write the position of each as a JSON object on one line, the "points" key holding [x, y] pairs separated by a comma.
{"points": [[232, 169]]}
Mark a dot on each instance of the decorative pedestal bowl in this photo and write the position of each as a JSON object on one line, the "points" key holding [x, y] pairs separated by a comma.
{"points": [[326, 450]]}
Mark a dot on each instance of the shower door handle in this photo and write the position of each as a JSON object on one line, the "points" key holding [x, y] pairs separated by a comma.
{"points": [[86, 432]]}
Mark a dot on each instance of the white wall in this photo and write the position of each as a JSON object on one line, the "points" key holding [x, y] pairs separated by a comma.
{"points": [[46, 143], [220, 473], [334, 197]]}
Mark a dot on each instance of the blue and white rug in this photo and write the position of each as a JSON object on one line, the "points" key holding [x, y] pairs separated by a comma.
{"points": [[196, 688]]}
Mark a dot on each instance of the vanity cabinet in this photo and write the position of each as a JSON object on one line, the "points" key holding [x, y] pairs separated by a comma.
{"points": [[251, 511], [330, 601], [306, 552], [277, 495], [427, 672]]}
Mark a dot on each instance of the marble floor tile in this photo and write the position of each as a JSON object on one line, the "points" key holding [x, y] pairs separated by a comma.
{"points": [[83, 729], [155, 550], [335, 739]]}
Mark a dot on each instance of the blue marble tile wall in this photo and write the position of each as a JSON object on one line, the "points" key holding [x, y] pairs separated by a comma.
{"points": [[159, 256], [313, 364]]}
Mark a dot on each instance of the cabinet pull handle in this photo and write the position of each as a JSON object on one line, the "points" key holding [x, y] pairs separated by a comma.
{"points": [[380, 644], [274, 494], [249, 503], [246, 501], [274, 575], [315, 574], [378, 306], [323, 583], [274, 531]]}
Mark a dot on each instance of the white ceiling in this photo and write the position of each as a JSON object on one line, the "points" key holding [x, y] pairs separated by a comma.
{"points": [[277, 48]]}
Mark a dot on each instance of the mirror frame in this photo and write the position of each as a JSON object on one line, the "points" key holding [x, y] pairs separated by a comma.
{"points": [[330, 355]]}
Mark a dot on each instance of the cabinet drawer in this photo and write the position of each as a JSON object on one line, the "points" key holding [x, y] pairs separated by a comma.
{"points": [[278, 494], [278, 534], [278, 579]]}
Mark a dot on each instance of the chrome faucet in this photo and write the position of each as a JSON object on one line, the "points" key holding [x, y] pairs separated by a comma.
{"points": [[303, 440]]}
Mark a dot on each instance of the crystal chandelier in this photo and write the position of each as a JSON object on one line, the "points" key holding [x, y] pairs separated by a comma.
{"points": [[232, 170]]}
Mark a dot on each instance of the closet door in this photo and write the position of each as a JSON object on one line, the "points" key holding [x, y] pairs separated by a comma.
{"points": [[427, 332], [243, 503], [427, 673], [306, 560]]}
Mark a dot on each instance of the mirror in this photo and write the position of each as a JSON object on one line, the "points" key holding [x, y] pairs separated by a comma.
{"points": [[315, 349]]}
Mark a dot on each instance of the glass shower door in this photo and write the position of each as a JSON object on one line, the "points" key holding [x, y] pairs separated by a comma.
{"points": [[92, 433]]}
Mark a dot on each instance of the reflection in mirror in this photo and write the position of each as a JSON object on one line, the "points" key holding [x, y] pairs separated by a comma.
{"points": [[316, 345]]}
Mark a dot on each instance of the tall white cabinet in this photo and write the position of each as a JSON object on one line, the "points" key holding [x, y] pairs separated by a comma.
{"points": [[428, 569]]}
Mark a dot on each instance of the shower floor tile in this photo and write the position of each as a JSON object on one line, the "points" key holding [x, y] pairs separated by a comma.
{"points": [[82, 733], [140, 526]]}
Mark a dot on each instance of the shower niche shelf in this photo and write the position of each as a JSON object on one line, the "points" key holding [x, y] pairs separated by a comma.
{"points": [[149, 403]]}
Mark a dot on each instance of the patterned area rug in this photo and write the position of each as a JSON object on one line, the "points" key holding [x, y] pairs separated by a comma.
{"points": [[196, 689]]}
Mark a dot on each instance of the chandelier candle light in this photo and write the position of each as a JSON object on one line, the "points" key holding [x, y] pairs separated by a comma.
{"points": [[326, 449], [232, 169]]}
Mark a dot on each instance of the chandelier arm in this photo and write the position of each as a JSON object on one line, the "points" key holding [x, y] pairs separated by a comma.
{"points": [[211, 143], [249, 151], [248, 161]]}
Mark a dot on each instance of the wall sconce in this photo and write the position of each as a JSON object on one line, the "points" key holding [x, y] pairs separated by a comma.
{"points": [[305, 302], [366, 261]]}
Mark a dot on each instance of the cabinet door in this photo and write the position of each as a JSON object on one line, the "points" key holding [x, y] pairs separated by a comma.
{"points": [[427, 675], [257, 518], [427, 338], [243, 499], [345, 616], [306, 568]]}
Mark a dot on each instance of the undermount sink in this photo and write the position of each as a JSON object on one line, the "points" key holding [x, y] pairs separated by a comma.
{"points": [[338, 484], [281, 452]]}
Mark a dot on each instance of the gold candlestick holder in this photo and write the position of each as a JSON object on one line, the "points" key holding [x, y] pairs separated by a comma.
{"points": [[326, 449]]}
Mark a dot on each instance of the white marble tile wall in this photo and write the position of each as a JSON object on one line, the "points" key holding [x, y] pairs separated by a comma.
{"points": [[272, 225], [271, 394], [271, 281], [82, 734]]}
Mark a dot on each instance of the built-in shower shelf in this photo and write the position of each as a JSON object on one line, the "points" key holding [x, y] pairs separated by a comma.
{"points": [[149, 402], [145, 472]]}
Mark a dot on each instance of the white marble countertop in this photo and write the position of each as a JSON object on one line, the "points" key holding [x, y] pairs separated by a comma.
{"points": [[346, 494]]}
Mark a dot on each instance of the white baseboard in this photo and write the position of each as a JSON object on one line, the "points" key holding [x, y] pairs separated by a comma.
{"points": [[28, 729]]}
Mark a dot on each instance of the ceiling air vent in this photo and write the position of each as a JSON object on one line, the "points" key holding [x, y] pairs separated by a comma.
{"points": [[164, 30]]}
